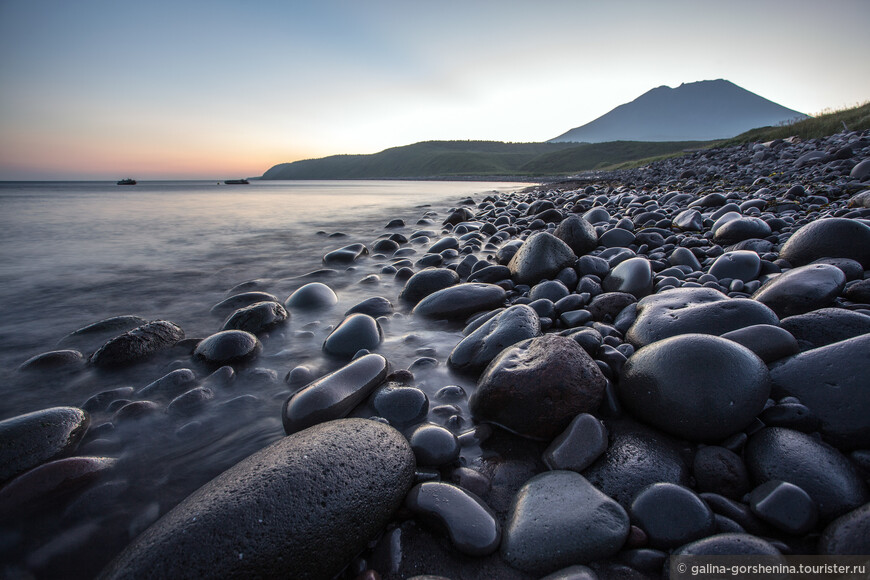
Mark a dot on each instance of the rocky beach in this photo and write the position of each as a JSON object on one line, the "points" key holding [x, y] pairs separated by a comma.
{"points": [[573, 381]]}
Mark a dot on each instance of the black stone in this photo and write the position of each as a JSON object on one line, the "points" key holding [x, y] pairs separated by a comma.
{"points": [[137, 345], [802, 289], [476, 351], [228, 347], [257, 318], [827, 325], [355, 333], [427, 281], [671, 515], [828, 238], [461, 301]]}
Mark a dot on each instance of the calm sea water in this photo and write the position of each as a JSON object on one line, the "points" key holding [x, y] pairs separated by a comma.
{"points": [[75, 253]]}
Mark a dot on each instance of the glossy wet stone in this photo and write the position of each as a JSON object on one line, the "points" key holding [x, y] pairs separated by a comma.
{"points": [[331, 488], [346, 255], [476, 351], [355, 333], [257, 318], [578, 446], [374, 307], [541, 256], [694, 310], [737, 265], [770, 343], [578, 234], [401, 405], [671, 515], [558, 519], [190, 402], [740, 229], [848, 534], [832, 382], [537, 386], [721, 471], [689, 220], [728, 544], [137, 345], [312, 296], [776, 453], [55, 360], [470, 524], [785, 506], [169, 385], [88, 338], [827, 325], [633, 276], [616, 238], [695, 386], [228, 347], [426, 282], [802, 289], [29, 440], [334, 395], [433, 445], [242, 300], [605, 307], [828, 238], [461, 301]]}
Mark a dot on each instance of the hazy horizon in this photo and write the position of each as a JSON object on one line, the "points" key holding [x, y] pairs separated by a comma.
{"points": [[99, 89]]}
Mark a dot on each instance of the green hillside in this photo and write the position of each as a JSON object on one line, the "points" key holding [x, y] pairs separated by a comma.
{"points": [[854, 119]]}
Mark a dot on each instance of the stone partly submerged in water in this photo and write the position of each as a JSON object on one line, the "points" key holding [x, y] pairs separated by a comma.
{"points": [[137, 345], [257, 318], [537, 386], [354, 333], [695, 386], [303, 507], [312, 296], [228, 347], [461, 300]]}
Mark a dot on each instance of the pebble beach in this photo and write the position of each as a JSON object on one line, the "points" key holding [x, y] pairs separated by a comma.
{"points": [[576, 380]]}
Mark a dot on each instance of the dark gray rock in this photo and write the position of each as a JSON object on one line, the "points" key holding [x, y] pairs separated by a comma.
{"points": [[312, 296], [558, 519], [605, 307], [671, 515], [433, 445], [633, 276], [694, 310], [823, 472], [169, 385], [616, 238], [470, 524], [552, 290], [345, 255], [190, 403], [684, 257], [720, 470], [90, 337], [356, 332], [689, 220], [737, 265], [257, 318], [852, 269], [770, 343], [695, 386], [827, 325], [858, 292], [476, 351], [461, 301], [828, 238], [100, 402], [784, 506], [29, 440], [729, 544], [331, 488], [744, 228], [541, 256], [578, 233], [578, 446], [445, 243], [427, 281], [334, 395], [401, 405], [537, 386], [832, 382], [55, 360], [374, 307], [802, 289], [573, 573], [137, 345], [240, 301], [490, 274], [849, 534], [228, 347]]}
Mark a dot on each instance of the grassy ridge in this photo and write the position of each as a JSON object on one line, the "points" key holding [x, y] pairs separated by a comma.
{"points": [[432, 159], [854, 119]]}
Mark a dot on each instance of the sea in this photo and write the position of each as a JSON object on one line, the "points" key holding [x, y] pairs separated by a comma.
{"points": [[74, 253]]}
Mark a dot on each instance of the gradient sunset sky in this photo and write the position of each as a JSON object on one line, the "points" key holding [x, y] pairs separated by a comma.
{"points": [[103, 89]]}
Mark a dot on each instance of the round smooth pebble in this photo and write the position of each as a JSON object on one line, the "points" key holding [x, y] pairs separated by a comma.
{"points": [[578, 446], [426, 282], [228, 347], [785, 506], [740, 229], [802, 289], [828, 238], [671, 515], [356, 332], [737, 265], [401, 405], [478, 349], [541, 256], [312, 296], [633, 276], [433, 445]]}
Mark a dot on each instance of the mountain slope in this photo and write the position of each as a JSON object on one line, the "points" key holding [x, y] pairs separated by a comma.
{"points": [[700, 111]]}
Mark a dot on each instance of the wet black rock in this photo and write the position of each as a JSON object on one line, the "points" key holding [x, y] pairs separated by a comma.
{"points": [[721, 471], [427, 281], [695, 386], [190, 403], [34, 438], [633, 276], [770, 343], [729, 544], [433, 445], [828, 238], [636, 457], [802, 289], [346, 255], [228, 347], [737, 265], [743, 228], [476, 351], [169, 385], [832, 382], [93, 335], [541, 256], [135, 410], [470, 524], [461, 301], [537, 386], [374, 307], [312, 296], [849, 534], [331, 488], [100, 402], [578, 446], [605, 307], [558, 519], [240, 301], [694, 310], [578, 233], [137, 345], [355, 333], [671, 515], [490, 274], [689, 220], [776, 453], [334, 395], [257, 318], [858, 292], [827, 325], [55, 360], [785, 506], [401, 405]]}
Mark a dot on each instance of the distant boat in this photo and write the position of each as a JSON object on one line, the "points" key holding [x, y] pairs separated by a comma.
{"points": [[236, 182], [127, 181]]}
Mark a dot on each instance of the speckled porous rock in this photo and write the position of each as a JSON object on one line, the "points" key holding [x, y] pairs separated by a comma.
{"points": [[137, 345], [34, 438], [301, 508]]}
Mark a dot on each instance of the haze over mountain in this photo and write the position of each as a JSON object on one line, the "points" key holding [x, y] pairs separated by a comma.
{"points": [[699, 111]]}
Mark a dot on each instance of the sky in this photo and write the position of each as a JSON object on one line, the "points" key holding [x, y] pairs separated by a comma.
{"points": [[217, 89]]}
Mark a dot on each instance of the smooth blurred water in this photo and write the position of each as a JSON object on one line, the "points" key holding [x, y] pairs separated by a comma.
{"points": [[72, 254]]}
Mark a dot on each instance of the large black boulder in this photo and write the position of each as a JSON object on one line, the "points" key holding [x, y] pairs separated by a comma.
{"points": [[137, 345], [828, 238]]}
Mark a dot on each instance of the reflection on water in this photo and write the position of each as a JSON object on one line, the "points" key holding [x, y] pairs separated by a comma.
{"points": [[76, 253]]}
